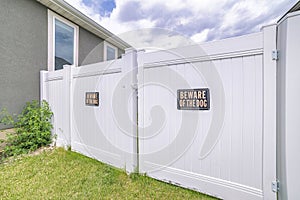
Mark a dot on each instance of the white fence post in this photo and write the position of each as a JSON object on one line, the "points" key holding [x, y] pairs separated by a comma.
{"points": [[43, 89], [140, 82], [67, 98], [130, 66], [269, 111]]}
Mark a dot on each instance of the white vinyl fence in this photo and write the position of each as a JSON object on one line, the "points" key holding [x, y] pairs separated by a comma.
{"points": [[227, 150], [92, 130]]}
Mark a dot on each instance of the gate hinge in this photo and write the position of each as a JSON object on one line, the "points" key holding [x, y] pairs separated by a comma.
{"points": [[275, 55], [275, 186]]}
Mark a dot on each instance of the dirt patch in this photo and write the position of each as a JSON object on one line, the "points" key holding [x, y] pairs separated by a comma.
{"points": [[42, 149], [3, 134], [35, 153]]}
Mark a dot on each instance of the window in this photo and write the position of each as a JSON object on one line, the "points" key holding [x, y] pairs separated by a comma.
{"points": [[64, 45], [110, 52], [62, 42]]}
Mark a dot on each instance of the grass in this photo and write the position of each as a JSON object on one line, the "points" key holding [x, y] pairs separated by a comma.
{"points": [[61, 174]]}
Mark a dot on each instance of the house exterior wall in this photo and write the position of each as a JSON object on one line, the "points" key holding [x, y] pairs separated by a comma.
{"points": [[90, 48], [23, 52]]}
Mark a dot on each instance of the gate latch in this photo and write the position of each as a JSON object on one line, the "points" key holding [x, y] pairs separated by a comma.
{"points": [[134, 86]]}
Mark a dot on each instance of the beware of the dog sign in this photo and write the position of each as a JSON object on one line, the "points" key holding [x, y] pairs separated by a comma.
{"points": [[92, 98], [193, 99]]}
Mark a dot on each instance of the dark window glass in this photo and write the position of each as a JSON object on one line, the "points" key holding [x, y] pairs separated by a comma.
{"points": [[110, 52], [64, 45]]}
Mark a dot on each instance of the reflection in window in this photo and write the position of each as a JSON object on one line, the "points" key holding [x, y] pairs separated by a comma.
{"points": [[64, 45], [110, 53]]}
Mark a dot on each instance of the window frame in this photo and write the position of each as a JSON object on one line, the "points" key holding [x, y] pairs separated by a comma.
{"points": [[51, 39], [106, 44]]}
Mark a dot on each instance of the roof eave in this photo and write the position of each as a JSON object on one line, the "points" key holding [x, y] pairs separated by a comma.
{"points": [[69, 12], [295, 8]]}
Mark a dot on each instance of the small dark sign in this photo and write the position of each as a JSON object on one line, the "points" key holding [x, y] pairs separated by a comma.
{"points": [[92, 98], [193, 99]]}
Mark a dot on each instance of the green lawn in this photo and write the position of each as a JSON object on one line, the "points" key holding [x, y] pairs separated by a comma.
{"points": [[60, 174]]}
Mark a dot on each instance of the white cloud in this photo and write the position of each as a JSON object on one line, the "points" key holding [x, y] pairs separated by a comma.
{"points": [[198, 20], [200, 37], [87, 10]]}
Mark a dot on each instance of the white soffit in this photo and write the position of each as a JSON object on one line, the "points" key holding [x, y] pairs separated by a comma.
{"points": [[67, 11]]}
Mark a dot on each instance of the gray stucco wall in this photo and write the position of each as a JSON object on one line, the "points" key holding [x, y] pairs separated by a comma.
{"points": [[91, 48], [120, 52], [23, 52]]}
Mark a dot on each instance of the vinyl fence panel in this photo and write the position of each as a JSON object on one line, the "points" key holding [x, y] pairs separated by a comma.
{"points": [[219, 151], [97, 131]]}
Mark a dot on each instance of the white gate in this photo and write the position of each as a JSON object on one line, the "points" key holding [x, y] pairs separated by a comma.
{"points": [[229, 150]]}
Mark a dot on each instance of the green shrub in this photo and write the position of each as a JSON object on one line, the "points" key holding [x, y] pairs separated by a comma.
{"points": [[33, 129]]}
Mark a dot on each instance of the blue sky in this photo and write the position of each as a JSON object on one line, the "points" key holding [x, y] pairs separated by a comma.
{"points": [[199, 20], [102, 7]]}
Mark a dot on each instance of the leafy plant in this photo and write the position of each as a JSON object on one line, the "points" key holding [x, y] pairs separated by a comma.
{"points": [[6, 118], [33, 128]]}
